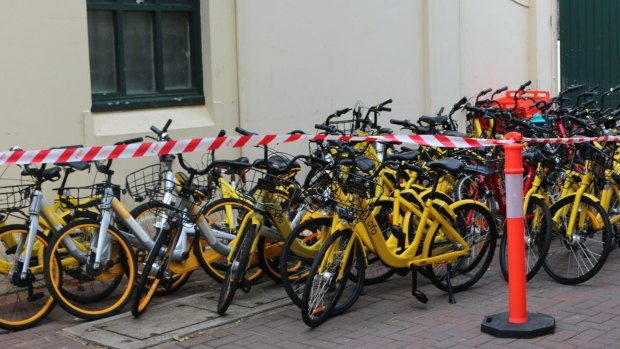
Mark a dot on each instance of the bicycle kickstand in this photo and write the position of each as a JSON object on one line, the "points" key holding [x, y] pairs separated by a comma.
{"points": [[451, 299], [419, 295]]}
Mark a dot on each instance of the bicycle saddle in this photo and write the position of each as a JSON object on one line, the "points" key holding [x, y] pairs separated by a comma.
{"points": [[446, 164], [79, 165], [49, 174], [241, 163], [277, 164], [480, 170], [405, 156], [433, 120], [364, 163], [424, 130]]}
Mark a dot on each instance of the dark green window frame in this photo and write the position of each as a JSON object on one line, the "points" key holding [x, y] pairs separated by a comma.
{"points": [[160, 96]]}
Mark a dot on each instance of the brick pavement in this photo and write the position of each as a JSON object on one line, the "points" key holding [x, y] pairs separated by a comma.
{"points": [[587, 316]]}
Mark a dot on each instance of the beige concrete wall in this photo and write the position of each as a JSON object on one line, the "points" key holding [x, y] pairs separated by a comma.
{"points": [[276, 65], [299, 60], [45, 81], [44, 73]]}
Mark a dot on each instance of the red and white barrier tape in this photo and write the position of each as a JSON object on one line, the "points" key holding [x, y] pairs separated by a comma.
{"points": [[215, 143], [572, 139]]}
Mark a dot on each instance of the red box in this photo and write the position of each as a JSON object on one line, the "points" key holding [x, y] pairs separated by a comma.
{"points": [[524, 102]]}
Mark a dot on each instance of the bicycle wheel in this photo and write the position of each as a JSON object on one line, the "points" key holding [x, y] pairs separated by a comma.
{"points": [[476, 226], [328, 278], [537, 236], [235, 272], [23, 303], [151, 277], [149, 216], [472, 187], [294, 269], [574, 260], [79, 288], [223, 215]]}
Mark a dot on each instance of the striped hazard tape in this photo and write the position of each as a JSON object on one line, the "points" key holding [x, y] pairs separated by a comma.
{"points": [[202, 145], [572, 139]]}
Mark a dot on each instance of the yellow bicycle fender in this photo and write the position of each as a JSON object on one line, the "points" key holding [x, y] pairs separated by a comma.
{"points": [[467, 201]]}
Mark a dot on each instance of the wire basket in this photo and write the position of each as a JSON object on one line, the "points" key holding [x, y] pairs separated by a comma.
{"points": [[348, 127], [600, 160], [144, 183], [352, 198], [15, 197], [272, 192], [86, 196]]}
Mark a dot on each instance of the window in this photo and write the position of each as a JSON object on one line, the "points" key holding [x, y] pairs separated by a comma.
{"points": [[144, 53]]}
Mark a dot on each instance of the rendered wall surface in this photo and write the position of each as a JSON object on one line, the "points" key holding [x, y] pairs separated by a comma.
{"points": [[45, 82], [299, 61], [277, 65]]}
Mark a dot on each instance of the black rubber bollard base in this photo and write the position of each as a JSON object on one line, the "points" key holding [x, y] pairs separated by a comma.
{"points": [[537, 325]]}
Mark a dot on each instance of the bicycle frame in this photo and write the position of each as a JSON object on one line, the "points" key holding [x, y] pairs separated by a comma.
{"points": [[430, 220]]}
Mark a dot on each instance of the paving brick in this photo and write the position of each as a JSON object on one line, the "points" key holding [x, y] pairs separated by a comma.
{"points": [[386, 317], [551, 344]]}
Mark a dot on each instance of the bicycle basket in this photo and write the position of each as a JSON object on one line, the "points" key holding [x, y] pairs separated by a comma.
{"points": [[144, 183], [602, 160], [85, 197], [599, 159], [15, 197], [273, 192], [354, 194]]}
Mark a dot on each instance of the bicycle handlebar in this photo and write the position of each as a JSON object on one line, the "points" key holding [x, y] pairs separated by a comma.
{"points": [[525, 85], [386, 102], [244, 131], [165, 129], [329, 129], [162, 134], [501, 89], [484, 92], [130, 141], [462, 101]]}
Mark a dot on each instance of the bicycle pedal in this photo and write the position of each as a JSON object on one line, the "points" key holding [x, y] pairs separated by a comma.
{"points": [[402, 271], [420, 296], [246, 286], [318, 310], [35, 297]]}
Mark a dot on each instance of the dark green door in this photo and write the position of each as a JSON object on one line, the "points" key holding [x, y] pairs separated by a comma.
{"points": [[590, 44]]}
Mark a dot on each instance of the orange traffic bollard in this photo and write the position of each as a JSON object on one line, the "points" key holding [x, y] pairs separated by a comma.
{"points": [[517, 322]]}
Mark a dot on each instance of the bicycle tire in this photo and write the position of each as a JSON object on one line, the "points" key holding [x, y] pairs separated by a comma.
{"points": [[469, 187], [148, 284], [236, 268], [78, 290], [476, 226], [295, 269], [562, 257], [213, 263], [322, 291], [147, 215], [537, 239], [19, 310]]}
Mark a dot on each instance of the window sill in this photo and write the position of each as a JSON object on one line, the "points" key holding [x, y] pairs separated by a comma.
{"points": [[116, 123], [158, 101]]}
